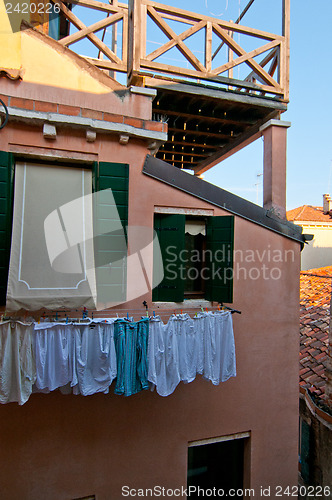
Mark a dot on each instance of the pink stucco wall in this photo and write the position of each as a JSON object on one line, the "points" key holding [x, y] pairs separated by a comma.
{"points": [[65, 447]]}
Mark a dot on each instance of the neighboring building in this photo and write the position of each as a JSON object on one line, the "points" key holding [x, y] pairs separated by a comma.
{"points": [[315, 377], [318, 222], [75, 132]]}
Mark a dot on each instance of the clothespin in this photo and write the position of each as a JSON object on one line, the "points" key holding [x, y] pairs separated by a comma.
{"points": [[154, 314], [202, 309], [181, 311], [56, 316], [218, 307], [206, 309], [127, 316], [39, 320], [145, 304], [66, 319], [92, 315]]}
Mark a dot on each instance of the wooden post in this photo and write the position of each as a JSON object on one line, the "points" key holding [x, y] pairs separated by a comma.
{"points": [[208, 46], [114, 38], [230, 56], [286, 50], [134, 41]]}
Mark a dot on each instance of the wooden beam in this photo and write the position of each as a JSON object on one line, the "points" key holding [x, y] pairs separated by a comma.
{"points": [[264, 62], [171, 43], [134, 38], [167, 30], [241, 52], [75, 37], [104, 7], [175, 70], [91, 36], [285, 53], [199, 116], [200, 133], [195, 144], [248, 55], [233, 147], [186, 16], [182, 153], [208, 46], [104, 64]]}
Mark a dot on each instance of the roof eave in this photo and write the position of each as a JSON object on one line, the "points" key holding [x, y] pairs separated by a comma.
{"points": [[164, 172]]}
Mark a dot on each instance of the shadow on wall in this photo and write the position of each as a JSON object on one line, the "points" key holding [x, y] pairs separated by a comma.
{"points": [[313, 257]]}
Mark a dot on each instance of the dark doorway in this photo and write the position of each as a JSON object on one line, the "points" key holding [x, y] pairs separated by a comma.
{"points": [[217, 465]]}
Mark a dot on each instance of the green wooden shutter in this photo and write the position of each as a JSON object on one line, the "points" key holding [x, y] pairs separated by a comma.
{"points": [[6, 215], [219, 258], [305, 451], [111, 247], [170, 230]]}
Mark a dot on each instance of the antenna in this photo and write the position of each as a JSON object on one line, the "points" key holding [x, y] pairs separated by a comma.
{"points": [[257, 184]]}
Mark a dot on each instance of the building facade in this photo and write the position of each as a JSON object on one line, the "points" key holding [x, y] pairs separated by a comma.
{"points": [[73, 132]]}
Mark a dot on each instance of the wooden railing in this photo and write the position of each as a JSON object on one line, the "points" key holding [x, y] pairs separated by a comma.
{"points": [[268, 76]]}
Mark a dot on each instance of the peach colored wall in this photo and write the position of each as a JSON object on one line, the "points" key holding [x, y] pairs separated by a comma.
{"points": [[138, 106], [63, 447]]}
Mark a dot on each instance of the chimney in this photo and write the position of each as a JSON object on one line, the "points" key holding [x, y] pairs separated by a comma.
{"points": [[327, 203], [274, 180]]}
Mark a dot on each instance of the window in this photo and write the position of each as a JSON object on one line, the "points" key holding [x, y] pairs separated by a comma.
{"points": [[44, 193], [197, 257], [218, 464]]}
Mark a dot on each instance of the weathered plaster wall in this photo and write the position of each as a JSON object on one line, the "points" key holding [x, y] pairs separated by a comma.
{"points": [[59, 446]]}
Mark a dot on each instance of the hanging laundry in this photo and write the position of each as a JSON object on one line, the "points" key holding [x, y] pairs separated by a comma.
{"points": [[95, 357], [185, 347], [55, 356], [163, 356], [189, 346], [17, 364], [131, 343], [218, 346]]}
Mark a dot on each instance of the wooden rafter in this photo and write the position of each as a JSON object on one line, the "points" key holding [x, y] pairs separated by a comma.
{"points": [[202, 133], [201, 117]]}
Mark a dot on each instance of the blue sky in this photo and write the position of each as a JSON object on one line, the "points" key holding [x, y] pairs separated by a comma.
{"points": [[309, 151], [309, 166]]}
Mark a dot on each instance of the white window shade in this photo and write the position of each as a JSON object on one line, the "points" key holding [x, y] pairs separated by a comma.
{"points": [[51, 262], [195, 227]]}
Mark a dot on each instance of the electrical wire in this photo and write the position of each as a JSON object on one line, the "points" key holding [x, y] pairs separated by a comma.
{"points": [[7, 114]]}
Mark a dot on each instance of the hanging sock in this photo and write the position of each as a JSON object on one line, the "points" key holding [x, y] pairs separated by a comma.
{"points": [[131, 343]]}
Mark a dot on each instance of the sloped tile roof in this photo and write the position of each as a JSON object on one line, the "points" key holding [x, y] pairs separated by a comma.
{"points": [[315, 295], [308, 213]]}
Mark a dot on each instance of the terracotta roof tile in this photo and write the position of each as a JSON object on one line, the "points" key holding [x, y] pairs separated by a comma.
{"points": [[315, 296], [308, 213]]}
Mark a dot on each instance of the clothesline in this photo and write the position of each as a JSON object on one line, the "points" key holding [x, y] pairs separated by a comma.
{"points": [[75, 358], [56, 315]]}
